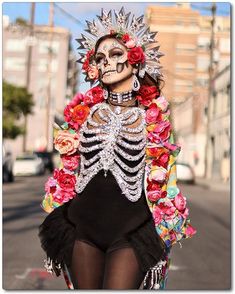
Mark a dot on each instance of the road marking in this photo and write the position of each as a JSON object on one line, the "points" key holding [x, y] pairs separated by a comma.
{"points": [[42, 273], [176, 267]]}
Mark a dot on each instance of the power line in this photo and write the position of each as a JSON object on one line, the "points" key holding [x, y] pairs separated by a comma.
{"points": [[70, 16]]}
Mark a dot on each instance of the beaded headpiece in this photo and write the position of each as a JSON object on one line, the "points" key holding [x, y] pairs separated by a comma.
{"points": [[134, 34]]}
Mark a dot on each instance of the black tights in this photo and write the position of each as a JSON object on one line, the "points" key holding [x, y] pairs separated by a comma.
{"points": [[91, 268]]}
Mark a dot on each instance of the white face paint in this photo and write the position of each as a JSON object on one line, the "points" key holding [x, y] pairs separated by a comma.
{"points": [[111, 60]]}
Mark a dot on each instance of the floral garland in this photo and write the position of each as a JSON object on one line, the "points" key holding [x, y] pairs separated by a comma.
{"points": [[167, 204], [135, 55]]}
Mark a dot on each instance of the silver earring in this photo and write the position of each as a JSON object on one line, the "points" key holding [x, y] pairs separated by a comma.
{"points": [[105, 94], [135, 84]]}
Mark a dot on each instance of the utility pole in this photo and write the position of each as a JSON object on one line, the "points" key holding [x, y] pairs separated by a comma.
{"points": [[28, 71], [50, 55], [210, 87]]}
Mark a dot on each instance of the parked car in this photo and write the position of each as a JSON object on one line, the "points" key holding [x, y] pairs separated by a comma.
{"points": [[47, 158], [185, 173], [28, 164], [7, 165]]}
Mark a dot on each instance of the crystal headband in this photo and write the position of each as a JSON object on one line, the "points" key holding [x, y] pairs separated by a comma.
{"points": [[135, 34]]}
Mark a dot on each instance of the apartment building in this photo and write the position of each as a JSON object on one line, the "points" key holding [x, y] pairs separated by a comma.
{"points": [[184, 37], [53, 73]]}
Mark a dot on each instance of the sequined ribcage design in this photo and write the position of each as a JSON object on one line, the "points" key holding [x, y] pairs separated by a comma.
{"points": [[116, 145]]}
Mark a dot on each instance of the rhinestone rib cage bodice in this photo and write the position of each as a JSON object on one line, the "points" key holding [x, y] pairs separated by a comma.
{"points": [[115, 145]]}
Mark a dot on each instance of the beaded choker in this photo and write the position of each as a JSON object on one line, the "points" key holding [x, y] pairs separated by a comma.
{"points": [[120, 97]]}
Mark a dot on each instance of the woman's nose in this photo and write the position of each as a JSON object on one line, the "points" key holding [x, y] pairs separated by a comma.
{"points": [[106, 62]]}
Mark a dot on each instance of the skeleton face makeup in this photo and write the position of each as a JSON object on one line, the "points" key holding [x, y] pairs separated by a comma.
{"points": [[111, 60]]}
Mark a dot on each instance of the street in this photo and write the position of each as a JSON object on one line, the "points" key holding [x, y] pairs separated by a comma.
{"points": [[203, 262]]}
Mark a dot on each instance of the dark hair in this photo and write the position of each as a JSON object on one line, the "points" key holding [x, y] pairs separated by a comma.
{"points": [[147, 80]]}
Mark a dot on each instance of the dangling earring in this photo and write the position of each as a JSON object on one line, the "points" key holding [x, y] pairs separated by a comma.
{"points": [[135, 83], [105, 94]]}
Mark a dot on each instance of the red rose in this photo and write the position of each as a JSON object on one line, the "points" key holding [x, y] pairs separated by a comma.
{"points": [[93, 96], [136, 55], [125, 38], [79, 114], [162, 160], [147, 94], [66, 181]]}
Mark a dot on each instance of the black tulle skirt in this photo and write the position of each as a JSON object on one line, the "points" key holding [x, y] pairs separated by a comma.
{"points": [[58, 234]]}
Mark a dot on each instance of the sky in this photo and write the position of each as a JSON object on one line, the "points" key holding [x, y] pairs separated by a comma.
{"points": [[81, 11]]}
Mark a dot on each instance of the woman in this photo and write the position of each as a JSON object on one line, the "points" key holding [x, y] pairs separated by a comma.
{"points": [[115, 209]]}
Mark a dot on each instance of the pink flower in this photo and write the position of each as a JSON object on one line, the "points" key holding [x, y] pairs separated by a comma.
{"points": [[180, 202], [66, 181], [157, 215], [154, 195], [70, 162], [153, 114], [168, 208], [162, 103], [130, 44], [160, 133], [190, 231], [66, 143], [50, 185], [158, 174], [63, 196], [77, 99]]}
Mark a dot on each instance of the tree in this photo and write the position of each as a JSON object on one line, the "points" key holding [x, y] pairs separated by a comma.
{"points": [[17, 104]]}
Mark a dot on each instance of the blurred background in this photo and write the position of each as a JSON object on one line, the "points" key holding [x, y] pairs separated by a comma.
{"points": [[41, 75]]}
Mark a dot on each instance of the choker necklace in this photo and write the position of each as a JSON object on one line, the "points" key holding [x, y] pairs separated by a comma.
{"points": [[118, 108], [120, 97]]}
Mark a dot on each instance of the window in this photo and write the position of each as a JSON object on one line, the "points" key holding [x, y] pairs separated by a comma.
{"points": [[185, 49], [15, 45], [15, 63], [45, 45], [224, 45], [203, 63], [203, 42], [184, 67], [43, 65], [183, 86]]}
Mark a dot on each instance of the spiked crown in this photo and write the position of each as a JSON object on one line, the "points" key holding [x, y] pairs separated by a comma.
{"points": [[120, 23]]}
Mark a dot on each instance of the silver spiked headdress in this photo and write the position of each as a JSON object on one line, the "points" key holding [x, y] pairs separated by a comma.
{"points": [[120, 23]]}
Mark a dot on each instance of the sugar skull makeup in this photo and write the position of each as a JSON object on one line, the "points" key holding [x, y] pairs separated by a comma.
{"points": [[112, 63]]}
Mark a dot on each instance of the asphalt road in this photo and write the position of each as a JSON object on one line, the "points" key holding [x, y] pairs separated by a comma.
{"points": [[203, 262]]}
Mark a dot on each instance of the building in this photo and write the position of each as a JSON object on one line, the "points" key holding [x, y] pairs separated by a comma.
{"points": [[184, 37], [53, 74], [219, 127]]}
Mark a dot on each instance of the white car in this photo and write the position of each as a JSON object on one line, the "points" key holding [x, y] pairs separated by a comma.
{"points": [[28, 164], [185, 173]]}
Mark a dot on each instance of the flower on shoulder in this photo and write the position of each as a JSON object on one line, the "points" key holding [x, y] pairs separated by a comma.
{"points": [[147, 94], [160, 133], [93, 96], [66, 142], [153, 114], [162, 103]]}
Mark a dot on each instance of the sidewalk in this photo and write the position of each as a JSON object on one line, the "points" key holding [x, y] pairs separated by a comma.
{"points": [[212, 184]]}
